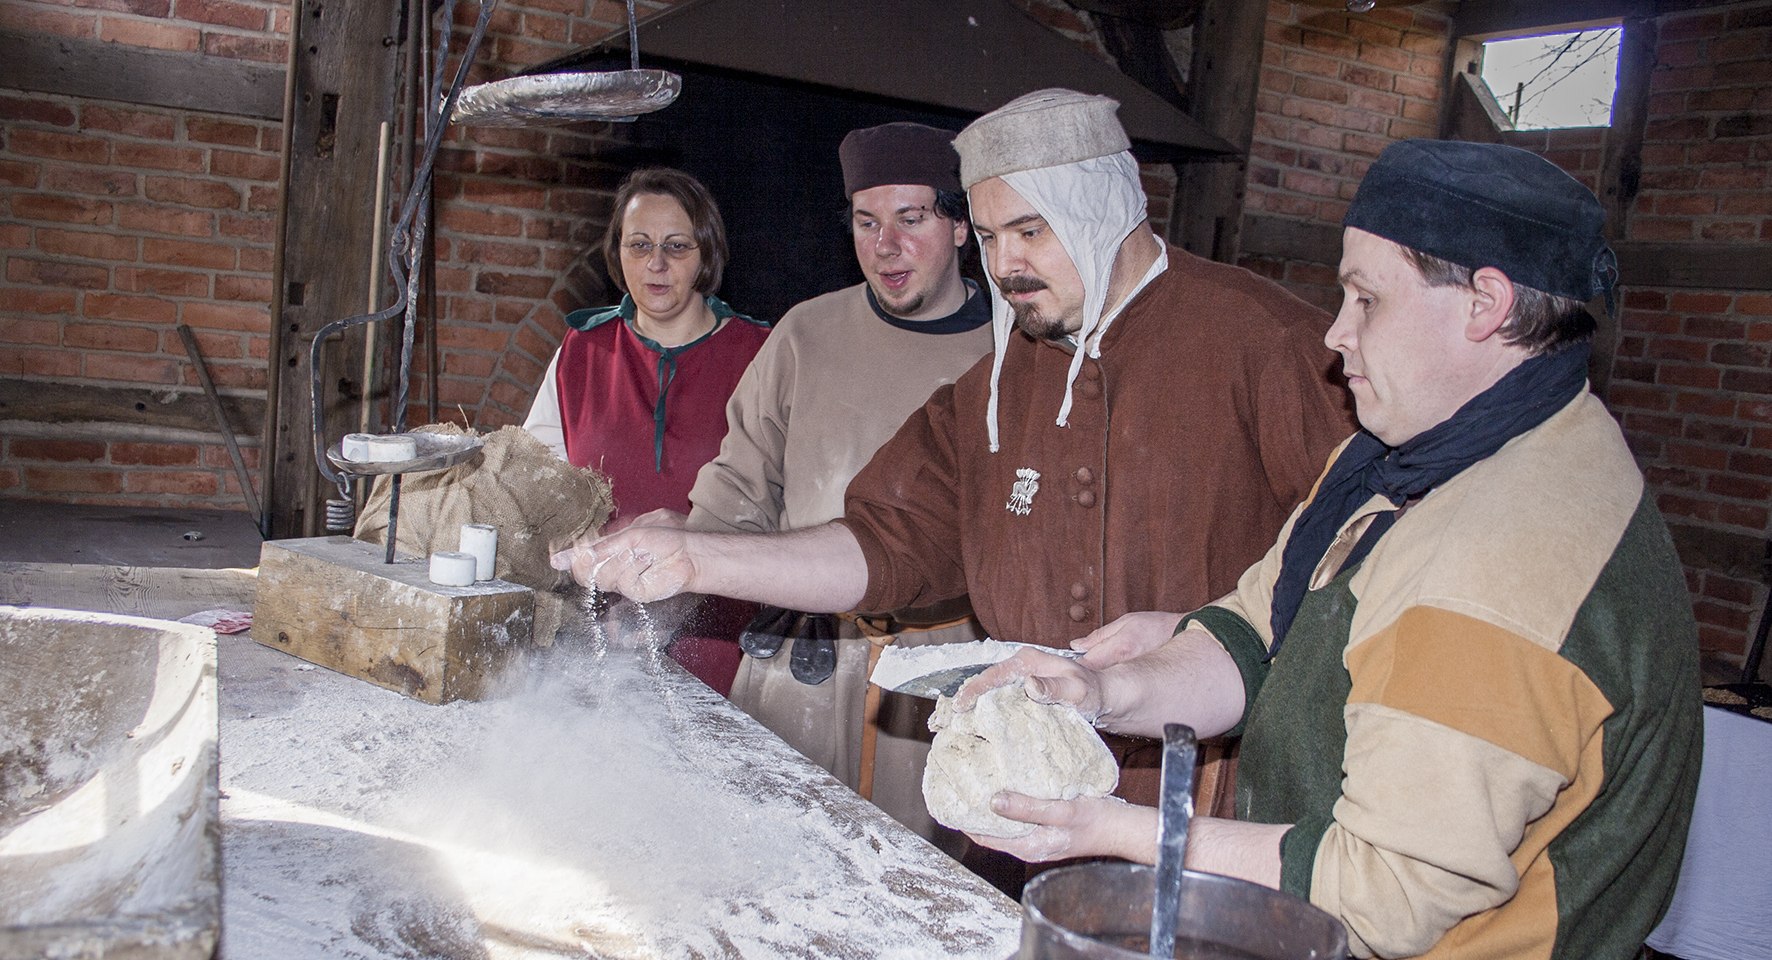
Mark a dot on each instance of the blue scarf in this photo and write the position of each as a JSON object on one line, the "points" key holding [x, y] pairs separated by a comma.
{"points": [[1519, 401]]}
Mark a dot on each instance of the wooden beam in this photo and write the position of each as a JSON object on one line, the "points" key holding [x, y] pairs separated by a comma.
{"points": [[1162, 14], [1621, 164], [1221, 87], [1712, 266], [111, 71], [1486, 19], [343, 70], [77, 406], [1283, 239]]}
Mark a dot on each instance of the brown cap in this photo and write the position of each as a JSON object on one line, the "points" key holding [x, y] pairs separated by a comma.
{"points": [[899, 153], [1046, 128]]}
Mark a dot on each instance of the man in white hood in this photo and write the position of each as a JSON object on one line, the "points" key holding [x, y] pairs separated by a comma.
{"points": [[1120, 458]]}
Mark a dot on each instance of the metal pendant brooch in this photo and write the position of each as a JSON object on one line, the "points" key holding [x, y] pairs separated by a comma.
{"points": [[1021, 495]]}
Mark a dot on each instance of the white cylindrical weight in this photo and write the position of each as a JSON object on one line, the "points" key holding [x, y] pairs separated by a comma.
{"points": [[355, 447], [392, 449], [481, 540], [452, 569]]}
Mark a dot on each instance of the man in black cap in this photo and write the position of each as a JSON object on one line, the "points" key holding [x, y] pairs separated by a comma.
{"points": [[833, 382], [1466, 674]]}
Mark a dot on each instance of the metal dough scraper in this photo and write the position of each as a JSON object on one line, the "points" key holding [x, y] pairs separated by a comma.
{"points": [[939, 670]]}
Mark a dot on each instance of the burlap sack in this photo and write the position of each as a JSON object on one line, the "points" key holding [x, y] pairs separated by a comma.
{"points": [[536, 500]]}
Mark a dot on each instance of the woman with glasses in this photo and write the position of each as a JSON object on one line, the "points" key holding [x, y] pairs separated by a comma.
{"points": [[638, 391]]}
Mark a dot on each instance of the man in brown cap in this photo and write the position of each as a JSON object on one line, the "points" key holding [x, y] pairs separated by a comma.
{"points": [[834, 380], [1120, 459], [1466, 674]]}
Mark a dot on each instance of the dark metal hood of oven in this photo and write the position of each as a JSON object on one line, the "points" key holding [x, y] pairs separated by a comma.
{"points": [[959, 56]]}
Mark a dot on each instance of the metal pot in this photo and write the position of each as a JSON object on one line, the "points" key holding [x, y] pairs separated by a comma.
{"points": [[1102, 911]]}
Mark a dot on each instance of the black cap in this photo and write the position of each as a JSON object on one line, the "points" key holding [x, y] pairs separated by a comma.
{"points": [[1488, 205], [899, 153]]}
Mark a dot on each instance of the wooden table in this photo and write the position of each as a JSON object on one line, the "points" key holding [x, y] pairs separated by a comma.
{"points": [[607, 805]]}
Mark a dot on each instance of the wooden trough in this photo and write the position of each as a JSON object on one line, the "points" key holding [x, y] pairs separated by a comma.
{"points": [[109, 827]]}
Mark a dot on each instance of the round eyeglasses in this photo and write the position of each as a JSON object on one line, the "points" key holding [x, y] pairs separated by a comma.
{"points": [[642, 249]]}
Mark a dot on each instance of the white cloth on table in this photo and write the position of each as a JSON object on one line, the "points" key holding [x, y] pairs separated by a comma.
{"points": [[1722, 906]]}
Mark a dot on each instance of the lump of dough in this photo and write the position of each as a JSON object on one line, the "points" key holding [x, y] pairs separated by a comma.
{"points": [[1009, 742]]}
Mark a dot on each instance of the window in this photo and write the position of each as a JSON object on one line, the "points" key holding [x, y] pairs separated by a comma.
{"points": [[1554, 81]]}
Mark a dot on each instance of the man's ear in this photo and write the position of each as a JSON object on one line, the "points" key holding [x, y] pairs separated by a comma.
{"points": [[962, 230], [1492, 300]]}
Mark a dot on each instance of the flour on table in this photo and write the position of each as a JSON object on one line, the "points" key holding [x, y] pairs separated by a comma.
{"points": [[1009, 742]]}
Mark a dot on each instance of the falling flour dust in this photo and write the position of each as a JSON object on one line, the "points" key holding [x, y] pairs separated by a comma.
{"points": [[604, 804]]}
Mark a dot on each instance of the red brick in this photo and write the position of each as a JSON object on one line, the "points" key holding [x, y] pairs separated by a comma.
{"points": [[216, 455], [135, 123], [236, 287], [158, 219], [261, 199], [1751, 517], [1736, 230], [31, 110], [51, 273], [484, 223], [194, 193], [1705, 404], [251, 229], [62, 209], [56, 451], [1685, 204], [105, 182], [1677, 348], [1736, 178], [1740, 488], [15, 173], [1747, 381], [1687, 375], [186, 253], [1660, 228], [105, 336], [26, 300], [208, 130], [155, 454], [21, 330], [1757, 305], [236, 47], [235, 375], [1417, 87], [1758, 464], [1745, 204], [172, 283], [245, 166], [91, 246], [1388, 58], [189, 482], [226, 316], [212, 346], [222, 13], [127, 369], [1685, 302], [55, 145], [255, 260], [155, 156], [39, 363], [110, 306], [1312, 88], [137, 33], [513, 284], [50, 480], [1638, 396]]}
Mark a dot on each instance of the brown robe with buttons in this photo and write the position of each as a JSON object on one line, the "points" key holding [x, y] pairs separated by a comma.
{"points": [[1208, 417]]}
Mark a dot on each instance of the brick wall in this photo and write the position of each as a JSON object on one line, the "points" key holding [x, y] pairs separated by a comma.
{"points": [[118, 222], [1692, 382]]}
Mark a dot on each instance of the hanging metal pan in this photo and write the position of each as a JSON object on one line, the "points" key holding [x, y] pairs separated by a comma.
{"points": [[566, 97]]}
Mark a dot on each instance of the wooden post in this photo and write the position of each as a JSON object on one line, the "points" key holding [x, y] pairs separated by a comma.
{"points": [[1222, 81], [1621, 165], [342, 86]]}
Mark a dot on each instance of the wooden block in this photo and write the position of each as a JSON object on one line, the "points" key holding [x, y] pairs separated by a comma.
{"points": [[332, 601]]}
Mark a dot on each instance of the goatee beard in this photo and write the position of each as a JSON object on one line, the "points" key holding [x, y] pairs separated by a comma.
{"points": [[1029, 320]]}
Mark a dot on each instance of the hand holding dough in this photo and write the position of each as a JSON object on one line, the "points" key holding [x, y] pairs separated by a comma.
{"points": [[1009, 742]]}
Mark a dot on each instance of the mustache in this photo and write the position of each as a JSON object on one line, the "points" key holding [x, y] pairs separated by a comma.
{"points": [[1019, 284]]}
